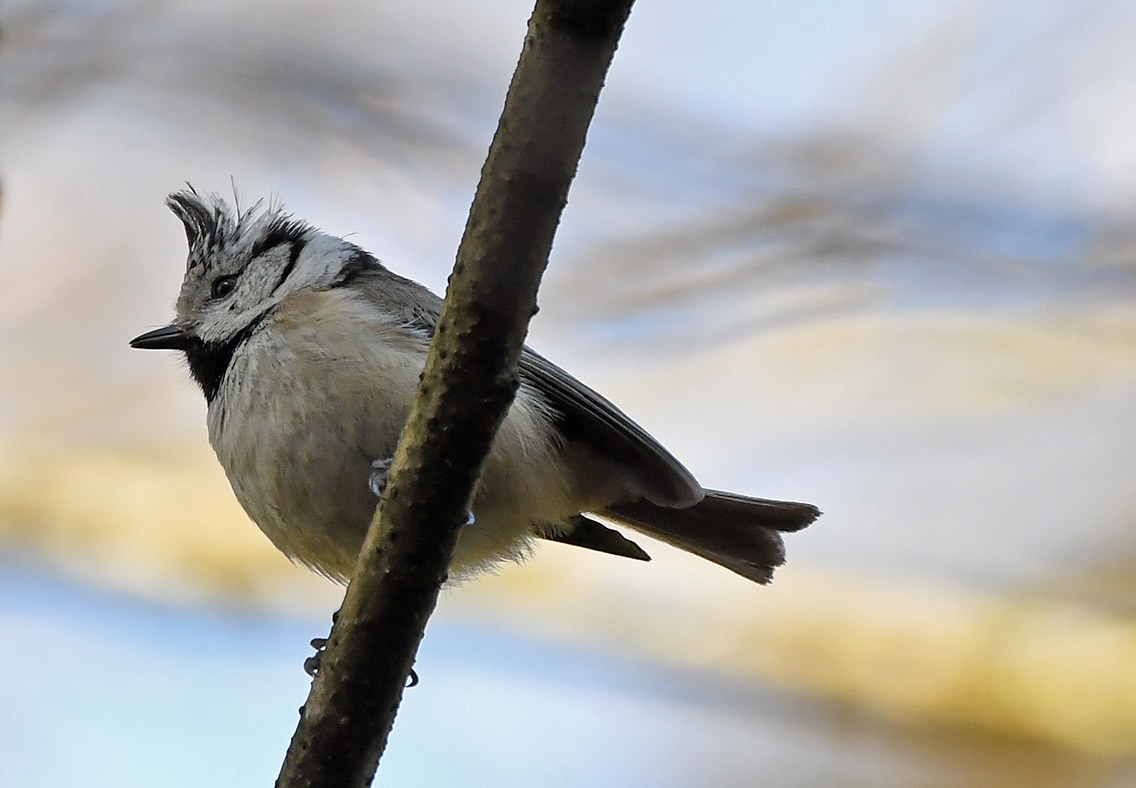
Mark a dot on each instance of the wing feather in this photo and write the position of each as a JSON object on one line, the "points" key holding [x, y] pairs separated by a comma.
{"points": [[582, 414]]}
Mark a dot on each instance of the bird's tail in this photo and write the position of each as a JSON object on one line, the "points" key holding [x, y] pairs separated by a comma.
{"points": [[739, 533]]}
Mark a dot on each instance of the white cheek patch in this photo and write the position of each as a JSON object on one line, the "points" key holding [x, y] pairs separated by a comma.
{"points": [[322, 259]]}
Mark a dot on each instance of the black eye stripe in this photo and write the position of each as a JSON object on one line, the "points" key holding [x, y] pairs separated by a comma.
{"points": [[293, 256]]}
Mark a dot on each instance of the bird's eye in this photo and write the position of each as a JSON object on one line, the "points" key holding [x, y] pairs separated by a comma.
{"points": [[223, 285]]}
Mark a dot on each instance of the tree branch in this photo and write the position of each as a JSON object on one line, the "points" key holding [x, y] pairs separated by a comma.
{"points": [[468, 385]]}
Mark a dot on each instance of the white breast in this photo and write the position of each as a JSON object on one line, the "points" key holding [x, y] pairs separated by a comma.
{"points": [[320, 391]]}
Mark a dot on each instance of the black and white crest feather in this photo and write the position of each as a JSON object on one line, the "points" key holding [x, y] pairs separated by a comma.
{"points": [[212, 225]]}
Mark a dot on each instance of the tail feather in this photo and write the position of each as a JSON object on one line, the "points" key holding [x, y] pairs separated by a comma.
{"points": [[739, 533]]}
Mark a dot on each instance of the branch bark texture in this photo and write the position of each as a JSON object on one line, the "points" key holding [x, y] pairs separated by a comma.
{"points": [[465, 392]]}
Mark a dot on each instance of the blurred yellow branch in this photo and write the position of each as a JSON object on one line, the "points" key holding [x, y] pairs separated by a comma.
{"points": [[920, 654]]}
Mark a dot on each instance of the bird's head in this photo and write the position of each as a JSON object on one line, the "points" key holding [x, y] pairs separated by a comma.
{"points": [[240, 266]]}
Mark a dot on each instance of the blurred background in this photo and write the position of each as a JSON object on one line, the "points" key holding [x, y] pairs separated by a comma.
{"points": [[873, 255]]}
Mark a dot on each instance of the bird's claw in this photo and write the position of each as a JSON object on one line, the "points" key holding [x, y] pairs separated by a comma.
{"points": [[312, 663], [377, 481]]}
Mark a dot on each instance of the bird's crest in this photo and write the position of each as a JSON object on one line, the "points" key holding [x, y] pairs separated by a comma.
{"points": [[212, 225]]}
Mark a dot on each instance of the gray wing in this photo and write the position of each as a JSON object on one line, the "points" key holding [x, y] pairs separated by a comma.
{"points": [[582, 414], [587, 417], [393, 294]]}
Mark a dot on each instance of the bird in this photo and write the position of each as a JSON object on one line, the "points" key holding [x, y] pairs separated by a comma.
{"points": [[308, 351]]}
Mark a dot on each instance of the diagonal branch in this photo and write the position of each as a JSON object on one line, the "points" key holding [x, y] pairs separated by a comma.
{"points": [[468, 385]]}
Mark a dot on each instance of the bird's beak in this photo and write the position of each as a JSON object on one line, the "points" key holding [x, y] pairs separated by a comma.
{"points": [[164, 338]]}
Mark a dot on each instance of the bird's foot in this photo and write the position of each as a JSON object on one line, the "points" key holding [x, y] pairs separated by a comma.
{"points": [[312, 663], [377, 481], [380, 470]]}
